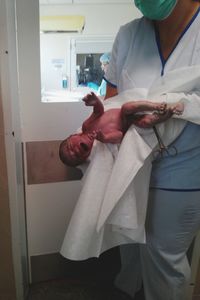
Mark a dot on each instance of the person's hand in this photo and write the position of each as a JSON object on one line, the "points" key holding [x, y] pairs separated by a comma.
{"points": [[150, 120]]}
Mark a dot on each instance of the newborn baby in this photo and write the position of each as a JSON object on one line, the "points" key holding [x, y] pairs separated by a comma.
{"points": [[111, 125]]}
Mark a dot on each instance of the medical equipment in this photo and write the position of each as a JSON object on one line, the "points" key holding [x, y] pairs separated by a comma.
{"points": [[163, 150]]}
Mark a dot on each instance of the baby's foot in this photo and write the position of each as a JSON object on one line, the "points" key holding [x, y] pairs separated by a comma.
{"points": [[161, 108], [178, 108]]}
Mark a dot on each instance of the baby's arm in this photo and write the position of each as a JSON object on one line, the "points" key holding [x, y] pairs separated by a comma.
{"points": [[98, 111], [92, 100]]}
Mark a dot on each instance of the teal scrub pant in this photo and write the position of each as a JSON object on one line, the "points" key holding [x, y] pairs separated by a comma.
{"points": [[173, 219]]}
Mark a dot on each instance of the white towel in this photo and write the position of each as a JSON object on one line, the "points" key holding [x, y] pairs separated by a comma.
{"points": [[112, 205]]}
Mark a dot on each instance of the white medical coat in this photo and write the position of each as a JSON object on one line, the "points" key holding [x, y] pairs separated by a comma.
{"points": [[87, 234]]}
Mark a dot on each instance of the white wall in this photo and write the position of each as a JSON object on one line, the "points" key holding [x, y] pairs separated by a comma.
{"points": [[49, 206], [101, 19]]}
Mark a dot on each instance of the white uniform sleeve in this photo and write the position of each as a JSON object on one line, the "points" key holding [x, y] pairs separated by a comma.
{"points": [[120, 50], [111, 73]]}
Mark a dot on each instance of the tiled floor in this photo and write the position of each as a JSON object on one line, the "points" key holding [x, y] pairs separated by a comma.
{"points": [[91, 279], [66, 290]]}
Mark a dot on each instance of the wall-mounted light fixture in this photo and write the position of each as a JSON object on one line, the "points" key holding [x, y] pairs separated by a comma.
{"points": [[62, 24]]}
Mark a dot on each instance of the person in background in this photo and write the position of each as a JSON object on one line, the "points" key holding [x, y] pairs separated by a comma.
{"points": [[165, 39], [104, 59]]}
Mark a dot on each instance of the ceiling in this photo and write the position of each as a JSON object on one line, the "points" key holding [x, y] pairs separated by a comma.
{"points": [[53, 2]]}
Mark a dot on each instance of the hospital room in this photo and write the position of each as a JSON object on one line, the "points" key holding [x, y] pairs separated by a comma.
{"points": [[81, 230]]}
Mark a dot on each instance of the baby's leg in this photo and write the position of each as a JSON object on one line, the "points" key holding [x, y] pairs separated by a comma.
{"points": [[131, 112], [142, 106], [149, 120]]}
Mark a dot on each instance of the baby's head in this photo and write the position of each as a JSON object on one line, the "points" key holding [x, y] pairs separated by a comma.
{"points": [[76, 148]]}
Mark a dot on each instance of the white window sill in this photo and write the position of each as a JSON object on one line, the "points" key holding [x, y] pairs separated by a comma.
{"points": [[65, 95]]}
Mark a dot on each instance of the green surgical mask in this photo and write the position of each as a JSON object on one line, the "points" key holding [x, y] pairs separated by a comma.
{"points": [[155, 9]]}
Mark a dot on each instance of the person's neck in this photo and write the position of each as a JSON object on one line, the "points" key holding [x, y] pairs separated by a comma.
{"points": [[170, 28]]}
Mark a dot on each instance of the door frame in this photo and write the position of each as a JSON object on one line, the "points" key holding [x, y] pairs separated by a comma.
{"points": [[9, 94]]}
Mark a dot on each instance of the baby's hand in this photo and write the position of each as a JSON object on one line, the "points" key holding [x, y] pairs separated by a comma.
{"points": [[90, 99], [99, 135]]}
